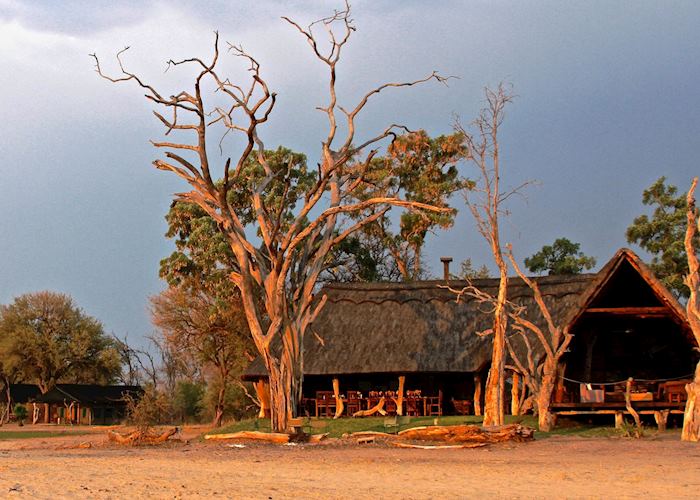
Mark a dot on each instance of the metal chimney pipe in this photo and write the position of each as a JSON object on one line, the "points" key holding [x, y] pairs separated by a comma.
{"points": [[446, 266]]}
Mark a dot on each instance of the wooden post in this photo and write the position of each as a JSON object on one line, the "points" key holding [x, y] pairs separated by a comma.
{"points": [[399, 399], [619, 420], [477, 394], [515, 395], [47, 413], [661, 419], [339, 406], [262, 389]]}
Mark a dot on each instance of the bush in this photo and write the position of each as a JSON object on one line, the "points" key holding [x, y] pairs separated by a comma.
{"points": [[20, 413], [152, 408]]}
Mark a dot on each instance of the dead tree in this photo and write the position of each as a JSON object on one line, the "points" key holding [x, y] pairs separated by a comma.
{"points": [[484, 201], [540, 376], [284, 264], [691, 417]]}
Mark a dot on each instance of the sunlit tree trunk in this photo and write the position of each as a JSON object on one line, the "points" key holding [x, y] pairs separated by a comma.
{"points": [[691, 416]]}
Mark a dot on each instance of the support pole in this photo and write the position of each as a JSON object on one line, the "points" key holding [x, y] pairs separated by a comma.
{"points": [[661, 419], [477, 394], [619, 420], [339, 405], [399, 399], [515, 395]]}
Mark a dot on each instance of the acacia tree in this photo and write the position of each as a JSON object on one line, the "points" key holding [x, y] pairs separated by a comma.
{"points": [[45, 338], [484, 201], [211, 332], [662, 234], [691, 417], [561, 257], [283, 263]]}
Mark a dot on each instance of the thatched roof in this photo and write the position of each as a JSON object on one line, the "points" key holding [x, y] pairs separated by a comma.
{"points": [[421, 327], [23, 393], [90, 394], [416, 327]]}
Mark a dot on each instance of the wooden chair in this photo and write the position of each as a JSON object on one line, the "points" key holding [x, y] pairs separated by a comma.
{"points": [[325, 404], [462, 406], [353, 403], [433, 405], [414, 405], [390, 403]]}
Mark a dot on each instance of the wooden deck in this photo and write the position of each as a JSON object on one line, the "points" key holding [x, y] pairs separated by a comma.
{"points": [[659, 409], [617, 405]]}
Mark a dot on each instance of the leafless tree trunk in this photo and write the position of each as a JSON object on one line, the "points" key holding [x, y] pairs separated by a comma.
{"points": [[5, 416], [483, 152], [541, 378], [285, 266], [691, 417]]}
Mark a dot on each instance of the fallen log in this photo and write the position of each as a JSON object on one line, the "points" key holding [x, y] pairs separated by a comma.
{"points": [[271, 437], [378, 408], [469, 433], [316, 438], [369, 433], [141, 437], [438, 447]]}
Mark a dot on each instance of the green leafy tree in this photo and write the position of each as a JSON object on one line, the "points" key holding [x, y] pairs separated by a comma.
{"points": [[421, 169], [45, 339], [561, 257], [187, 401], [661, 234], [210, 331]]}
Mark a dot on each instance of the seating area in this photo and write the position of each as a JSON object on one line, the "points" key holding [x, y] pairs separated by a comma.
{"points": [[324, 404], [659, 392]]}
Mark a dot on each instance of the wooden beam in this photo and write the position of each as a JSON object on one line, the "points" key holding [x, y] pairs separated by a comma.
{"points": [[339, 406], [630, 311]]}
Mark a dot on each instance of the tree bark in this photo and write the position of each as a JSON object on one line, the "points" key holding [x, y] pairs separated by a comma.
{"points": [[546, 419], [691, 416], [262, 390], [494, 411], [219, 409]]}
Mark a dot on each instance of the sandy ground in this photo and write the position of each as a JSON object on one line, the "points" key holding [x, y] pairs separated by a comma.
{"points": [[558, 467]]}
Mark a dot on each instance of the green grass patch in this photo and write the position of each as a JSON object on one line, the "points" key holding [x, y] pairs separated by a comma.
{"points": [[4, 435], [338, 427]]}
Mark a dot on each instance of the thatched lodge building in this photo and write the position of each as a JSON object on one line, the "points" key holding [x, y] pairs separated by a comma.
{"points": [[625, 324], [88, 404]]}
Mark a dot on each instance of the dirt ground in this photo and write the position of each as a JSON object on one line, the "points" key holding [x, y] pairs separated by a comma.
{"points": [[557, 467]]}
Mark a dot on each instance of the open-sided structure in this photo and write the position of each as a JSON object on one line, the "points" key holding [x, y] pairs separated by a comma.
{"points": [[625, 324]]}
